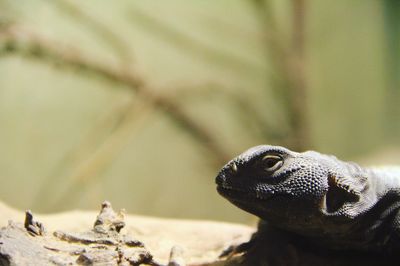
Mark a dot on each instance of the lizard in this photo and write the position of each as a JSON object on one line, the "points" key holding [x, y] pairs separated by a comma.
{"points": [[317, 198]]}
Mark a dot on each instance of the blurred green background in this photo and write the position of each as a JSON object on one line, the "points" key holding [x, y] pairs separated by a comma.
{"points": [[141, 102]]}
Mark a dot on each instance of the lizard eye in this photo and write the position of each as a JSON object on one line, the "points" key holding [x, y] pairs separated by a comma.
{"points": [[272, 162]]}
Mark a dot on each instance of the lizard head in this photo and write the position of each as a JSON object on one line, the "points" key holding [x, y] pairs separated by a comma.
{"points": [[293, 190]]}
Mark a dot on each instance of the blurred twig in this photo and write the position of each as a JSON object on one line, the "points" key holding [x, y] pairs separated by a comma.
{"points": [[15, 40], [297, 76], [391, 9], [23, 42], [289, 60], [103, 129], [245, 109], [190, 44], [97, 27], [96, 162]]}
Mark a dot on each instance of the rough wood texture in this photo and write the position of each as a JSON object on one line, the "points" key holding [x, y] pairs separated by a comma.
{"points": [[67, 239]]}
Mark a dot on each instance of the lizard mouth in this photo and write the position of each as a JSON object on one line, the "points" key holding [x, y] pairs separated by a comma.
{"points": [[241, 195]]}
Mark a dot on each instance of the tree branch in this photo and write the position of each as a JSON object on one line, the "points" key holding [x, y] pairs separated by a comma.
{"points": [[97, 27], [298, 77], [169, 34], [289, 60], [17, 41]]}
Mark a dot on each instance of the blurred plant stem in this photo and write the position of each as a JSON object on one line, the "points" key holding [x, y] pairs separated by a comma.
{"points": [[289, 75], [391, 13], [298, 78], [101, 30], [96, 162], [103, 129], [17, 41], [250, 117], [203, 51], [289, 84]]}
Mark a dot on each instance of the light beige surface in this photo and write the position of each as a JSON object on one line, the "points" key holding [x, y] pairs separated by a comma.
{"points": [[202, 241]]}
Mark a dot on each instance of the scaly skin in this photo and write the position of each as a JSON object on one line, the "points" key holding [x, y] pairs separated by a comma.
{"points": [[325, 201]]}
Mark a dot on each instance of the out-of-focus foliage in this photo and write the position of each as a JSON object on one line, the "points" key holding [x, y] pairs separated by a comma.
{"points": [[141, 102], [391, 10]]}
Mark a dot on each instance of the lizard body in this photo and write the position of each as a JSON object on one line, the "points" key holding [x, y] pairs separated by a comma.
{"points": [[325, 201]]}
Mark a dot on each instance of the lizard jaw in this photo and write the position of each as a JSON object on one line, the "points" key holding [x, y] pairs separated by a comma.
{"points": [[240, 195]]}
